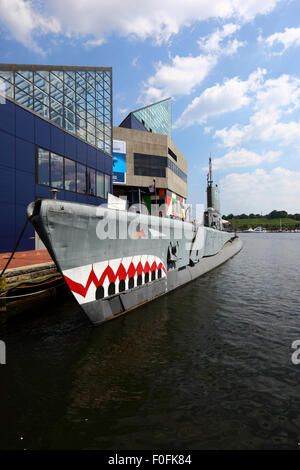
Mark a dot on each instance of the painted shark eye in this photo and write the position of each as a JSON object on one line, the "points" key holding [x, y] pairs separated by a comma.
{"points": [[131, 283], [146, 278], [111, 288], [122, 286], [139, 280], [99, 293]]}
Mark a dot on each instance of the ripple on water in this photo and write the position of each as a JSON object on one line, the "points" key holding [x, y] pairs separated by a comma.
{"points": [[206, 367]]}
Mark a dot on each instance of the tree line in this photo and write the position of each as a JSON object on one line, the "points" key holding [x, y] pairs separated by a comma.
{"points": [[272, 215]]}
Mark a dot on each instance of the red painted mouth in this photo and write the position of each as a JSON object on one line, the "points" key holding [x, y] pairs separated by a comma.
{"points": [[120, 274]]}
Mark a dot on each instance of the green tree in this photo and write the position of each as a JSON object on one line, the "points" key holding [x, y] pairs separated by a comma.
{"points": [[277, 214]]}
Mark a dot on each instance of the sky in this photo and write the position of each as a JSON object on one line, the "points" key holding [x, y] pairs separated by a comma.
{"points": [[231, 66]]}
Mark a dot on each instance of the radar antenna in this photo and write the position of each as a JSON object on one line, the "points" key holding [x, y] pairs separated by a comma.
{"points": [[210, 182]]}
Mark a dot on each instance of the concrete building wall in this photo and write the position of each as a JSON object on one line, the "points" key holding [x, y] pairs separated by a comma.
{"points": [[176, 184], [152, 144], [181, 160]]}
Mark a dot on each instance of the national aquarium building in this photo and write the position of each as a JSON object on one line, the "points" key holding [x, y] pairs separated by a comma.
{"points": [[148, 166], [55, 134]]}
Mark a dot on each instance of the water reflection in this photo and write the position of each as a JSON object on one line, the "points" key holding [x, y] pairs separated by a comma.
{"points": [[206, 367]]}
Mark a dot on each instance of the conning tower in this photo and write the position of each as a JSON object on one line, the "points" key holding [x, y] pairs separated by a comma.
{"points": [[213, 216]]}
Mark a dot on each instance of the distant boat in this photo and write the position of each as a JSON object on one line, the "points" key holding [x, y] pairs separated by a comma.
{"points": [[256, 230]]}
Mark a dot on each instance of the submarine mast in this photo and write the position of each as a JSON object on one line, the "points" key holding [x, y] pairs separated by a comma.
{"points": [[213, 213]]}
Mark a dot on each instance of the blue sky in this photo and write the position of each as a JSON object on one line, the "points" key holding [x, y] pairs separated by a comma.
{"points": [[231, 66]]}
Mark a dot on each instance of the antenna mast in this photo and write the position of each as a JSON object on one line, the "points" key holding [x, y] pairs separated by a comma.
{"points": [[210, 172]]}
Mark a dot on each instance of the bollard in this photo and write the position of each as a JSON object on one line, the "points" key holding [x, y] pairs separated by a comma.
{"points": [[3, 297]]}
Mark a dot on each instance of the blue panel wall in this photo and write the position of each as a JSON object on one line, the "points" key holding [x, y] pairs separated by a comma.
{"points": [[24, 152], [25, 187], [81, 151], [8, 117], [42, 133], [20, 132], [70, 146], [57, 140], [7, 185], [24, 124], [27, 241], [92, 157], [8, 228], [7, 149]]}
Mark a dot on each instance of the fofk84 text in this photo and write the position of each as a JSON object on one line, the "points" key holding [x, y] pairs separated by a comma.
{"points": [[163, 459]]}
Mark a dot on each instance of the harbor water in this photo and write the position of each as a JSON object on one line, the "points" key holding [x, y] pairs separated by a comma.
{"points": [[208, 366]]}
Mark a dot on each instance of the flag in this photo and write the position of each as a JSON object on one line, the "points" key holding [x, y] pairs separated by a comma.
{"points": [[151, 188]]}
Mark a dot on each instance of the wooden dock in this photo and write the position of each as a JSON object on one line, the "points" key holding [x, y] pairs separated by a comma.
{"points": [[27, 273]]}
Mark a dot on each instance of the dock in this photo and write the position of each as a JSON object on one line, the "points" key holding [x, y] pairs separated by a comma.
{"points": [[27, 265], [29, 276]]}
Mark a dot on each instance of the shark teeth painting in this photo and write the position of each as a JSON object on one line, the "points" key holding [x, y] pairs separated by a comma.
{"points": [[100, 280]]}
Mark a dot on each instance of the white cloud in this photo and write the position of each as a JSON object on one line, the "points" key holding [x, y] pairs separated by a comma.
{"points": [[219, 99], [185, 73], [95, 21], [275, 99], [263, 126], [212, 44], [290, 37], [243, 158], [261, 191], [134, 61], [277, 93], [179, 78], [22, 21], [156, 19]]}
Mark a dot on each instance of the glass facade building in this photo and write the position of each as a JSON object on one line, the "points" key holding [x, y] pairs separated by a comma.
{"points": [[156, 117], [156, 169], [55, 132], [78, 101]]}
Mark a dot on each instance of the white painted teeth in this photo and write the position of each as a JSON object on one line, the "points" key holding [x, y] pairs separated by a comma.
{"points": [[106, 278]]}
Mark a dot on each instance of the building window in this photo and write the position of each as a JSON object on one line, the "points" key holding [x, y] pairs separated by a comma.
{"points": [[149, 165], [107, 185], [176, 170], [57, 171], [100, 184], [154, 165], [70, 175], [81, 179], [172, 154], [91, 177], [63, 173], [43, 167]]}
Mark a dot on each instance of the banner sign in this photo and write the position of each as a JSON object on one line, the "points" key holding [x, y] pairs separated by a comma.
{"points": [[119, 161]]}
